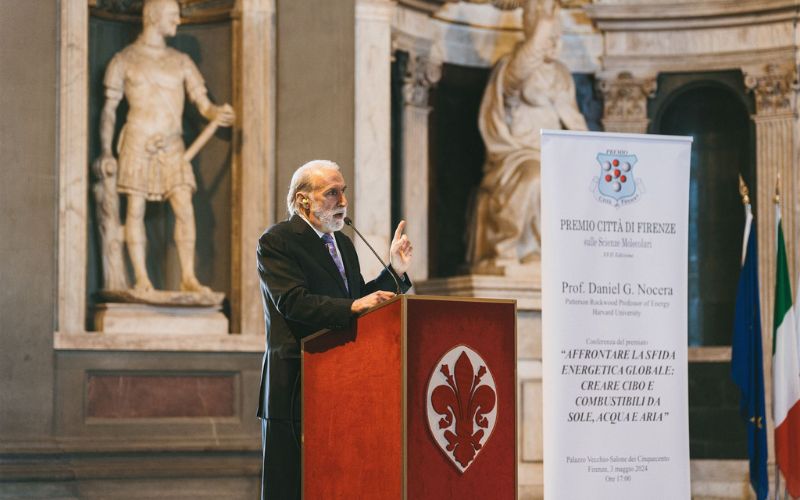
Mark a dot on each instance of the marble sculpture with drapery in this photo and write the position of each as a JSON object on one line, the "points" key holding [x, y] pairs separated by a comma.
{"points": [[529, 90]]}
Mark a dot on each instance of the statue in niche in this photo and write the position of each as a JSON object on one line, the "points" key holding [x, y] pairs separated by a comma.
{"points": [[529, 90], [152, 163]]}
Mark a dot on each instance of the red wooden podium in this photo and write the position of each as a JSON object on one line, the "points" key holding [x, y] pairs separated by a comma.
{"points": [[416, 400]]}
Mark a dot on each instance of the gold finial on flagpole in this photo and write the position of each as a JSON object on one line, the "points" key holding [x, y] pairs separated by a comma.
{"points": [[743, 191], [777, 198]]}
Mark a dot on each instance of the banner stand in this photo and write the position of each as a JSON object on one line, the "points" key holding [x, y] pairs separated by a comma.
{"points": [[614, 315]]}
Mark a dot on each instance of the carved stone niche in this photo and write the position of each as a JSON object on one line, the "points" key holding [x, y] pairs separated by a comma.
{"points": [[120, 307], [251, 35]]}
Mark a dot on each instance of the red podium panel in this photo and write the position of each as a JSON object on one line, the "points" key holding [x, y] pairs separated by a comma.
{"points": [[417, 400]]}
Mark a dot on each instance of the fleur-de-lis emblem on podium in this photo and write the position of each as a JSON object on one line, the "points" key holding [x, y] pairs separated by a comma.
{"points": [[461, 403]]}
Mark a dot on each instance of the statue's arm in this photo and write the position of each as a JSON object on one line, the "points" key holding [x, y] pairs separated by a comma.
{"points": [[106, 165], [198, 94], [529, 54], [114, 84], [108, 119], [114, 81], [571, 117], [566, 104]]}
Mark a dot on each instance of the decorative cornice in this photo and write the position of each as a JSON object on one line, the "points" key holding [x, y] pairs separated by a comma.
{"points": [[638, 64], [625, 97], [431, 6], [688, 15], [192, 11], [774, 86], [427, 6], [422, 73]]}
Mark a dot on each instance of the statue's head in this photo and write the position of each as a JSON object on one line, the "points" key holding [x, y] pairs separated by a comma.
{"points": [[162, 15], [544, 15]]}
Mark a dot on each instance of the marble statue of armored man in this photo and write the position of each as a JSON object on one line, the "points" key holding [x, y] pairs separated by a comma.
{"points": [[152, 163]]}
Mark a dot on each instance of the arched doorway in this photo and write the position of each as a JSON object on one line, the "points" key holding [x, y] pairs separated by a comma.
{"points": [[718, 119], [715, 109]]}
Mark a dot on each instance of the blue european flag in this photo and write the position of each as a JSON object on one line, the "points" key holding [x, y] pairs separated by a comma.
{"points": [[747, 366]]}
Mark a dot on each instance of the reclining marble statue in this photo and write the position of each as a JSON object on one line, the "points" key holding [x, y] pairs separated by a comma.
{"points": [[152, 163], [528, 90]]}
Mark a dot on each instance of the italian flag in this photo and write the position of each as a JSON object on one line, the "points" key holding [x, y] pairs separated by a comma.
{"points": [[786, 374]]}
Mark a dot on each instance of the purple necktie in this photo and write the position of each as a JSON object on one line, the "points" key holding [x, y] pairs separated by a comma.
{"points": [[328, 239]]}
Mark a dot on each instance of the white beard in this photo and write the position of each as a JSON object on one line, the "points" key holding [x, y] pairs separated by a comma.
{"points": [[329, 223]]}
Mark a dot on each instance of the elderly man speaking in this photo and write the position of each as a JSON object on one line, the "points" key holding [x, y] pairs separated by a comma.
{"points": [[310, 280]]}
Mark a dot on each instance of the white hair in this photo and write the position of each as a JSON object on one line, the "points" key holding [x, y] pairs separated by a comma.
{"points": [[302, 181]]}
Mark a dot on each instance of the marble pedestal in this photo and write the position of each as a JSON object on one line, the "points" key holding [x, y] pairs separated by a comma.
{"points": [[523, 284], [526, 288], [123, 317]]}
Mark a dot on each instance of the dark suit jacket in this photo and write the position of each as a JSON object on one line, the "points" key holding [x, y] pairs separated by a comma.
{"points": [[302, 292]]}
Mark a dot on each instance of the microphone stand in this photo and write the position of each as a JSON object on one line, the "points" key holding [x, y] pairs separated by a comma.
{"points": [[349, 222]]}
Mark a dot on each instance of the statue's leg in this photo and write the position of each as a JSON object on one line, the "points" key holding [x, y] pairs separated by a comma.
{"points": [[181, 201], [530, 247], [137, 240], [514, 205]]}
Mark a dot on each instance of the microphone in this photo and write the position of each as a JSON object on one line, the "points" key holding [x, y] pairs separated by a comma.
{"points": [[349, 222]]}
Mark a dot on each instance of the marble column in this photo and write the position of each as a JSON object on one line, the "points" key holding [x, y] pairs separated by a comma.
{"points": [[253, 163], [422, 73], [625, 102], [73, 165], [773, 88], [372, 183]]}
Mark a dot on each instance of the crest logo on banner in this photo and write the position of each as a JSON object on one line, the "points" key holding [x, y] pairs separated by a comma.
{"points": [[462, 405], [616, 184]]}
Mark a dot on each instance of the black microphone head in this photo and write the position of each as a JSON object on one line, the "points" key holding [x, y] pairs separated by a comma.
{"points": [[348, 221]]}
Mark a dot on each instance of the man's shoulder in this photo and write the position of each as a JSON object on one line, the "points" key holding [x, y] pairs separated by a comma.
{"points": [[277, 228], [283, 229]]}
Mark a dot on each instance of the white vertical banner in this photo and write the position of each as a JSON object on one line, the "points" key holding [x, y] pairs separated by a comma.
{"points": [[614, 315]]}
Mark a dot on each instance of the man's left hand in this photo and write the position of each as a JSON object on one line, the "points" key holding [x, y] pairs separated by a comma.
{"points": [[400, 250]]}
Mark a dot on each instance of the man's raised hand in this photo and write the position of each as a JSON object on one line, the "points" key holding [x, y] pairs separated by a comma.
{"points": [[400, 251]]}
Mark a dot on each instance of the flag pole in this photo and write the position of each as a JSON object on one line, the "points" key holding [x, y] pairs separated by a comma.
{"points": [[776, 200], [746, 355]]}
